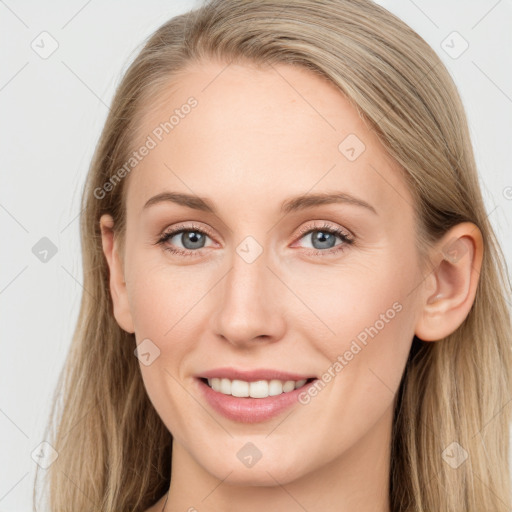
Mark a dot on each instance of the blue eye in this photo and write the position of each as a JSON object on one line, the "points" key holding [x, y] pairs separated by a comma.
{"points": [[193, 239], [190, 239], [323, 239]]}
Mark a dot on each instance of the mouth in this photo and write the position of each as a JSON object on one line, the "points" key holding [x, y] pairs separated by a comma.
{"points": [[254, 389], [251, 397]]}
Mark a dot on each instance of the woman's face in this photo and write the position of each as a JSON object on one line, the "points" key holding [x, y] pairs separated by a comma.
{"points": [[298, 260]]}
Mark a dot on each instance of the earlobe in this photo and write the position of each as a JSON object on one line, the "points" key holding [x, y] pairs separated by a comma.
{"points": [[117, 283], [450, 289]]}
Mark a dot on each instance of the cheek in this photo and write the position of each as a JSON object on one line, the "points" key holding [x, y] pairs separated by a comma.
{"points": [[360, 297], [168, 308], [161, 294], [163, 310], [372, 313], [368, 316], [372, 317]]}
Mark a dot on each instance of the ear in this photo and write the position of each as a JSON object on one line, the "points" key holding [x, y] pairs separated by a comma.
{"points": [[118, 290], [449, 291]]}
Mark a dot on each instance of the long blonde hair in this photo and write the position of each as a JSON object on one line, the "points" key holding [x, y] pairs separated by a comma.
{"points": [[114, 450]]}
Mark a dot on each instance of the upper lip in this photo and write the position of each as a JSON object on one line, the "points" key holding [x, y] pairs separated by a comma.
{"points": [[252, 375]]}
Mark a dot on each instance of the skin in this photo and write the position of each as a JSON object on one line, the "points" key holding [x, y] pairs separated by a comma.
{"points": [[258, 137]]}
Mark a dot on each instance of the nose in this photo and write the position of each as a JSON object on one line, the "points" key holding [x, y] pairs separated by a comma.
{"points": [[249, 304]]}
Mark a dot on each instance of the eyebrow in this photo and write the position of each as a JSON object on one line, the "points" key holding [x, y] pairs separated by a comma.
{"points": [[292, 204]]}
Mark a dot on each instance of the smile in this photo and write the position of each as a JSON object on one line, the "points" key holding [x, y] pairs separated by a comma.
{"points": [[256, 389], [251, 396]]}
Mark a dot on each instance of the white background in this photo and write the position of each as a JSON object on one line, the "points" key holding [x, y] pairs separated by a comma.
{"points": [[52, 111]]}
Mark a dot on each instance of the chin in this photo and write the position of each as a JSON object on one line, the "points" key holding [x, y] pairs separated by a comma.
{"points": [[262, 473]]}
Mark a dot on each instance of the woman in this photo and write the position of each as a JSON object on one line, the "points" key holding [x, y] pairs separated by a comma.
{"points": [[283, 223]]}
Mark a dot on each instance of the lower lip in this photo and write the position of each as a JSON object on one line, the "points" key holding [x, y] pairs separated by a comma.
{"points": [[250, 410]]}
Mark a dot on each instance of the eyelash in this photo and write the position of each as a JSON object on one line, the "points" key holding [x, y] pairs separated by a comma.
{"points": [[326, 228]]}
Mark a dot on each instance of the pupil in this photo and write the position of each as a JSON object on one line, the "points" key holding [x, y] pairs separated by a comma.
{"points": [[192, 240], [324, 238]]}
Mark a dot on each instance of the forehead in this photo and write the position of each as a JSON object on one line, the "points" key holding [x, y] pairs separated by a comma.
{"points": [[257, 134]]}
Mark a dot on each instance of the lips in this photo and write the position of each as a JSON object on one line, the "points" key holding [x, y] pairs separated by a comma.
{"points": [[247, 409], [253, 375]]}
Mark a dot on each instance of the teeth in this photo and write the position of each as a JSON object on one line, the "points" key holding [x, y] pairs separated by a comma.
{"points": [[275, 387], [225, 386], [239, 388], [257, 389], [289, 385]]}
